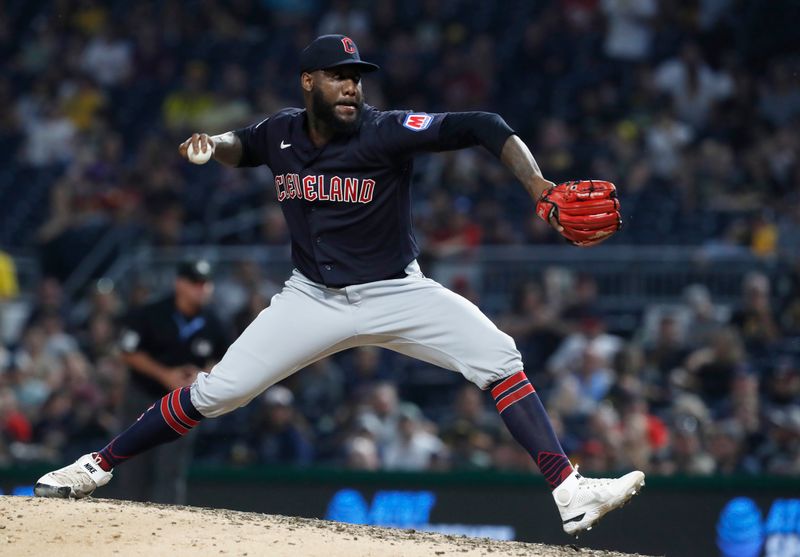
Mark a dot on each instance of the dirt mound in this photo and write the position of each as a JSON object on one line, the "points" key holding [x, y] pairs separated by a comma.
{"points": [[31, 526]]}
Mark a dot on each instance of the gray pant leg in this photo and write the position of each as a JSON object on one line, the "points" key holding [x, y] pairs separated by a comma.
{"points": [[304, 323], [421, 318]]}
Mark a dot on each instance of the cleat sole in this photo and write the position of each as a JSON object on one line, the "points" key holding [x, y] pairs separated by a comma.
{"points": [[45, 490]]}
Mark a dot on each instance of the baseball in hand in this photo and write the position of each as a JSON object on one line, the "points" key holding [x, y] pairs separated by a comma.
{"points": [[199, 157]]}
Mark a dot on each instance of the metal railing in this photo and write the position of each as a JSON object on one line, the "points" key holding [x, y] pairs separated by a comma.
{"points": [[627, 277], [118, 240]]}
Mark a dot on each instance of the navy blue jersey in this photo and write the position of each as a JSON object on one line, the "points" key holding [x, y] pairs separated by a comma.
{"points": [[348, 203]]}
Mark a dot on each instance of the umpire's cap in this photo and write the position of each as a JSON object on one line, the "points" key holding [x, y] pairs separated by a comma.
{"points": [[329, 51], [195, 270]]}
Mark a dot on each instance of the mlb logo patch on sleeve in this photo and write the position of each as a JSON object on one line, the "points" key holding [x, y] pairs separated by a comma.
{"points": [[418, 121]]}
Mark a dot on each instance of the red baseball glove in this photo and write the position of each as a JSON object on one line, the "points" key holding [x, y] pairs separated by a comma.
{"points": [[587, 210]]}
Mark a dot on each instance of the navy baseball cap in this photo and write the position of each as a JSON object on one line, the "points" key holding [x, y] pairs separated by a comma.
{"points": [[195, 270], [329, 51]]}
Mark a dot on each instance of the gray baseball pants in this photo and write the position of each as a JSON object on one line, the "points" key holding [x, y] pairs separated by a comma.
{"points": [[308, 321]]}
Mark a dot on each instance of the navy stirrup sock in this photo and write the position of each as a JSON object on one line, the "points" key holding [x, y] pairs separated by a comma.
{"points": [[167, 420], [527, 420]]}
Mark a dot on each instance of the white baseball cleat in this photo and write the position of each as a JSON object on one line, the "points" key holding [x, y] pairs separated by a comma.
{"points": [[77, 480], [583, 501]]}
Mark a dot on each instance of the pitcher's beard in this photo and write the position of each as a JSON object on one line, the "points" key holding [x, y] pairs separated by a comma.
{"points": [[326, 114]]}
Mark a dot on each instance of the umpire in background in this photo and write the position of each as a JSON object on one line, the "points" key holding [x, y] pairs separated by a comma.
{"points": [[164, 344]]}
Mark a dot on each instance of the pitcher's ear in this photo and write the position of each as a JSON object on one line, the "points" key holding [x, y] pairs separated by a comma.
{"points": [[307, 81]]}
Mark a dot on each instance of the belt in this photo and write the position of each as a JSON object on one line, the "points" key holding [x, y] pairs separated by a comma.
{"points": [[400, 275]]}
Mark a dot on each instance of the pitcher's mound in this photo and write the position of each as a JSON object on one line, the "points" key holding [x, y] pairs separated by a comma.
{"points": [[64, 528]]}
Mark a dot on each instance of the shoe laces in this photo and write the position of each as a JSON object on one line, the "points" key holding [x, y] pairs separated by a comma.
{"points": [[591, 483], [74, 475], [595, 482]]}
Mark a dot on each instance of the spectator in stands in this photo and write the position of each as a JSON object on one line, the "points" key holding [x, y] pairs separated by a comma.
{"points": [[712, 369], [686, 454], [188, 107], [693, 85], [319, 392], [83, 101], [100, 338], [630, 28], [590, 334], [453, 231], [604, 426], [365, 371], [534, 323], [779, 95], [108, 58], [38, 368], [469, 430], [509, 456], [789, 227], [470, 412], [585, 384], [9, 288], [103, 301], [415, 448], [278, 436], [89, 421], [703, 315], [668, 349], [755, 319], [726, 445], [231, 108], [764, 236], [666, 139], [780, 452], [582, 300], [255, 303], [361, 453], [345, 18], [59, 342], [14, 425], [50, 138], [746, 410], [783, 388], [382, 413], [638, 437], [637, 379], [645, 436], [53, 426], [274, 231]]}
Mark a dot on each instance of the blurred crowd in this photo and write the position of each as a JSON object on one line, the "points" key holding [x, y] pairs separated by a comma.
{"points": [[698, 387], [691, 108]]}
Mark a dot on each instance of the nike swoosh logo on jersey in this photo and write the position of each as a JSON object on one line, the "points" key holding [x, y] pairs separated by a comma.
{"points": [[285, 145]]}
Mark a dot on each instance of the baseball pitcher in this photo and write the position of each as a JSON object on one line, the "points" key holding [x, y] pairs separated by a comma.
{"points": [[342, 174]]}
